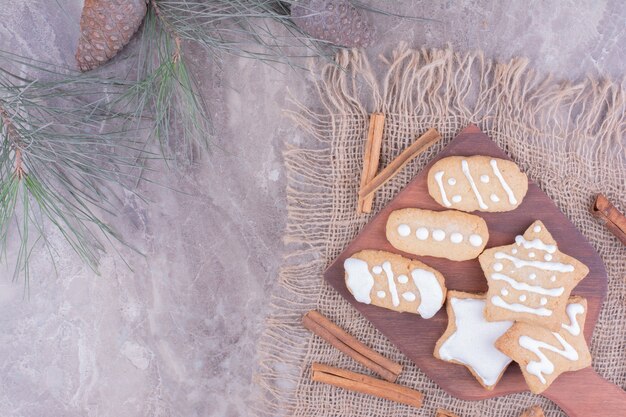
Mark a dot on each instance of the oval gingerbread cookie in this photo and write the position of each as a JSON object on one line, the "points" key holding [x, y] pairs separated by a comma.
{"points": [[482, 183]]}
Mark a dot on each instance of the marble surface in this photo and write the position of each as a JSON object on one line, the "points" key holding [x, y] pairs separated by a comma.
{"points": [[175, 334]]}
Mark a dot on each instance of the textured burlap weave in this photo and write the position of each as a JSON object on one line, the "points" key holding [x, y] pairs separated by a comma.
{"points": [[568, 137]]}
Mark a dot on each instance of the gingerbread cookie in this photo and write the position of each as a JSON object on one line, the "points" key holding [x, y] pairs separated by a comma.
{"points": [[530, 280], [446, 234], [470, 339], [542, 354], [470, 183], [391, 281]]}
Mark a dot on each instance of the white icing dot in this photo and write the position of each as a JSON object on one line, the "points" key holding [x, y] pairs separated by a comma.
{"points": [[504, 292], [409, 296], [377, 269], [547, 257], [403, 279], [451, 181], [475, 240], [497, 267], [404, 230], [381, 294], [484, 178], [522, 297], [543, 301], [537, 229], [553, 278], [456, 198], [422, 233], [456, 237], [494, 198], [531, 254], [513, 251], [532, 276], [439, 235]]}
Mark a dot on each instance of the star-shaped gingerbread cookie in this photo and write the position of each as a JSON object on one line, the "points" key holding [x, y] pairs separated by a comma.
{"points": [[530, 280], [470, 339], [542, 354]]}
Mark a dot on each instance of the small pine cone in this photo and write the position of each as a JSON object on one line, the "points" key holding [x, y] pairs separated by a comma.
{"points": [[106, 26], [334, 21]]}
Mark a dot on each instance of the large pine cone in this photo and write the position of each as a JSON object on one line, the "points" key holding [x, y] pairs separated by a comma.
{"points": [[334, 21], [106, 26]]}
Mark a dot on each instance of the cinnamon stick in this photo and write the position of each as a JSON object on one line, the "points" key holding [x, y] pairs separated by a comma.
{"points": [[371, 158], [534, 411], [348, 344], [612, 218], [365, 384], [420, 145], [445, 413]]}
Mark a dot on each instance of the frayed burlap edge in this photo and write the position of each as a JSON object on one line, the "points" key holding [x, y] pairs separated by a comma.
{"points": [[568, 137]]}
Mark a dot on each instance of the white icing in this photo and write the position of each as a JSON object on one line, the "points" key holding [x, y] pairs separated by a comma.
{"points": [[439, 235], [547, 257], [473, 342], [444, 197], [513, 251], [381, 294], [522, 286], [534, 244], [546, 266], [392, 284], [475, 240], [377, 269], [494, 198], [451, 181], [573, 310], [544, 365], [537, 229], [497, 267], [403, 279], [532, 276], [456, 237], [484, 178], [468, 175], [522, 298], [509, 192], [543, 301], [520, 308], [504, 292], [422, 233], [409, 296], [531, 254], [431, 294], [553, 278], [360, 282], [456, 198], [404, 230]]}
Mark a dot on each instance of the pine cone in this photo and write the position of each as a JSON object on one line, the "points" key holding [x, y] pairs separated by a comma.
{"points": [[106, 26], [334, 21]]}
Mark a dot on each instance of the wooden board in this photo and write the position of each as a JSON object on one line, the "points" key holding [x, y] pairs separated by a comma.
{"points": [[415, 336]]}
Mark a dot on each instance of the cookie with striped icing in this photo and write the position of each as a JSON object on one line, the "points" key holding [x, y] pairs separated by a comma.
{"points": [[477, 183]]}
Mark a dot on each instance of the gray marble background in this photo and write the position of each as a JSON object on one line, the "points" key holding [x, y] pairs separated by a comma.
{"points": [[176, 335]]}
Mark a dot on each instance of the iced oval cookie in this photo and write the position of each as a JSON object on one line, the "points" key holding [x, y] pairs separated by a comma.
{"points": [[392, 281], [445, 234], [471, 183], [470, 339]]}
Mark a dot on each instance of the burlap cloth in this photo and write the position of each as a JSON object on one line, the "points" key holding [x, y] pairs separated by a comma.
{"points": [[568, 137]]}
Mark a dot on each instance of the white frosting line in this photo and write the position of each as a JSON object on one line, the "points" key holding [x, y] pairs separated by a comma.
{"points": [[534, 244], [475, 240], [522, 286], [439, 235], [403, 279], [544, 365], [392, 284], [409, 296], [472, 330], [422, 233], [404, 230], [468, 175], [520, 308], [444, 197], [509, 192], [546, 266], [360, 281], [456, 237], [573, 310], [431, 294]]}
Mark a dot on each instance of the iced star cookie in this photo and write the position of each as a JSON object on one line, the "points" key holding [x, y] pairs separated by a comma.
{"points": [[446, 234], [542, 354], [470, 339], [530, 280], [471, 183], [392, 281]]}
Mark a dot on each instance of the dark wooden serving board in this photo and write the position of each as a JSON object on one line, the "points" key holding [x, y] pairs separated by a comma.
{"points": [[416, 337]]}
